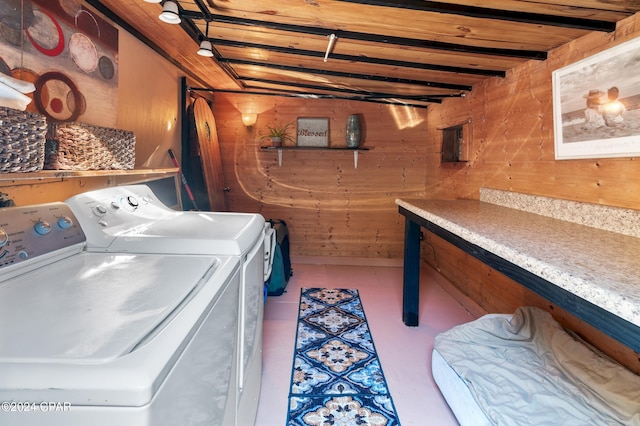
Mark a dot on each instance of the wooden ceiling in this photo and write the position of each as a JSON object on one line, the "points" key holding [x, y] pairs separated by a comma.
{"points": [[412, 52]]}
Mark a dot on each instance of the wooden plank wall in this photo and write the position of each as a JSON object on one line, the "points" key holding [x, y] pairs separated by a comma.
{"points": [[332, 209], [513, 144]]}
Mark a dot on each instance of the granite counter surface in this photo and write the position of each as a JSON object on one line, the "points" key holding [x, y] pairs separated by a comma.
{"points": [[602, 267]]}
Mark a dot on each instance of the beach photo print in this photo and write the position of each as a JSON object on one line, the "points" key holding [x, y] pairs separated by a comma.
{"points": [[596, 105]]}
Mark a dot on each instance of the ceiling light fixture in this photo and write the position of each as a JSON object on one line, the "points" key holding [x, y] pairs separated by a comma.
{"points": [[332, 41], [153, 1], [170, 13], [206, 49]]}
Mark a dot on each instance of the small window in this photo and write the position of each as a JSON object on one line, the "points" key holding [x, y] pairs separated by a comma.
{"points": [[455, 141]]}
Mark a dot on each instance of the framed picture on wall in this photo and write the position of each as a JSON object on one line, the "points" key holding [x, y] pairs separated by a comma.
{"points": [[596, 105], [312, 132], [69, 53]]}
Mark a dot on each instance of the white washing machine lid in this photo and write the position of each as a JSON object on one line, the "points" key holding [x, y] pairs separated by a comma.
{"points": [[118, 354], [93, 307]]}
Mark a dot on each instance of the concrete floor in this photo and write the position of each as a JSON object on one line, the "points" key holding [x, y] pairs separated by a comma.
{"points": [[404, 352]]}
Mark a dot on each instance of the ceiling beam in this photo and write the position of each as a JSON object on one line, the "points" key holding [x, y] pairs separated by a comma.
{"points": [[351, 75], [372, 97], [488, 13], [353, 58], [374, 38], [294, 94], [365, 93], [203, 8]]}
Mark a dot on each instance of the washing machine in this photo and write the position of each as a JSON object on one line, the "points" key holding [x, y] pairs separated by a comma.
{"points": [[103, 339], [131, 219]]}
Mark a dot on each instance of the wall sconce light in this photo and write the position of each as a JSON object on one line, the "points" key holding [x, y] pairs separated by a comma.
{"points": [[249, 119], [170, 13], [205, 45]]}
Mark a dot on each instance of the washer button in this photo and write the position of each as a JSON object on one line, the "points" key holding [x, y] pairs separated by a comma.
{"points": [[133, 201], [65, 222], [100, 210], [42, 227]]}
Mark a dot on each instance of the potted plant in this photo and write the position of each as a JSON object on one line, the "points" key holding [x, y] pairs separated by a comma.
{"points": [[278, 135]]}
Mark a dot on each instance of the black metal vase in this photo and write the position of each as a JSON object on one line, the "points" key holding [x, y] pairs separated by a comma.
{"points": [[354, 131]]}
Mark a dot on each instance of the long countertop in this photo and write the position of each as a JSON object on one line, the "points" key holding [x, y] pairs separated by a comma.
{"points": [[602, 267]]}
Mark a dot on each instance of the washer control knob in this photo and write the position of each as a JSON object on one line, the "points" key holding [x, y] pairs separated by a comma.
{"points": [[133, 201], [4, 237], [100, 210], [65, 222], [42, 227]]}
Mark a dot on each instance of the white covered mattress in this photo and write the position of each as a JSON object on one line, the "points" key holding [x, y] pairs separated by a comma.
{"points": [[526, 369], [457, 394]]}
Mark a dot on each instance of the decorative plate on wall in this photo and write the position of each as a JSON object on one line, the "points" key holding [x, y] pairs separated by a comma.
{"points": [[52, 95]]}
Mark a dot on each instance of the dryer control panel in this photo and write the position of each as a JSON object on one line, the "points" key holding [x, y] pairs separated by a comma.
{"points": [[31, 231], [132, 219], [105, 214]]}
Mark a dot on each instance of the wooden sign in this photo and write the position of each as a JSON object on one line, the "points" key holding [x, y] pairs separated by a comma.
{"points": [[313, 132]]}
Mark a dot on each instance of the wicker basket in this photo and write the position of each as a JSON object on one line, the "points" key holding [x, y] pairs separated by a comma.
{"points": [[79, 146], [22, 141]]}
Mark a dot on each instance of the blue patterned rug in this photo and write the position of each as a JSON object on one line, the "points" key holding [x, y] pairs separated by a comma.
{"points": [[337, 379]]}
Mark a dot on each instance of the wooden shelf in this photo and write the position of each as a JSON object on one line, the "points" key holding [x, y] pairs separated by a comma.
{"points": [[314, 148], [69, 174]]}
